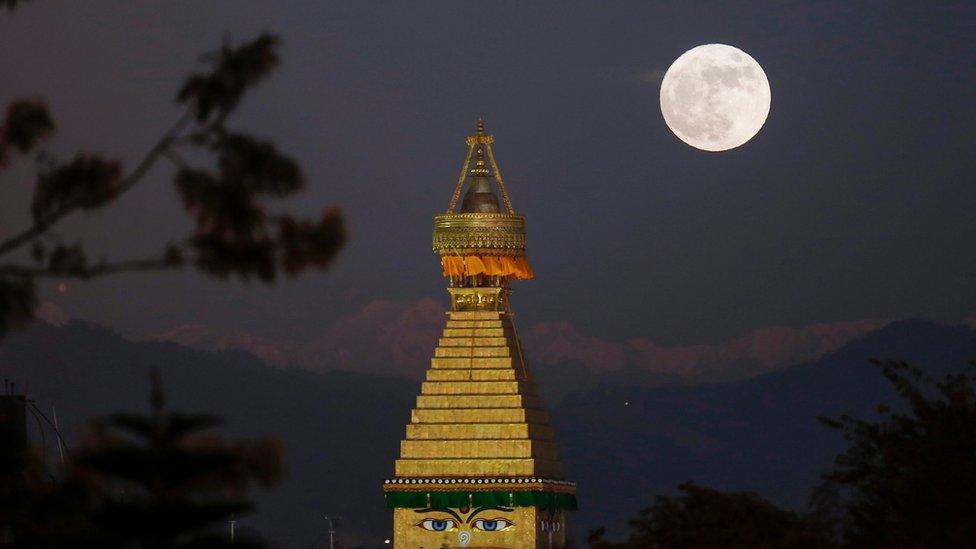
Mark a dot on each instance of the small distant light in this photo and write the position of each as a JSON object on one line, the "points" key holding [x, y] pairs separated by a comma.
{"points": [[626, 403], [62, 287], [386, 541]]}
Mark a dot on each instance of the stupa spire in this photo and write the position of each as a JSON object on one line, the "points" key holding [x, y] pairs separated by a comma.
{"points": [[482, 249], [480, 142], [480, 198], [479, 465]]}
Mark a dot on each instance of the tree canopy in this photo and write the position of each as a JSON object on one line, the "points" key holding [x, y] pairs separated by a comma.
{"points": [[704, 517], [907, 479]]}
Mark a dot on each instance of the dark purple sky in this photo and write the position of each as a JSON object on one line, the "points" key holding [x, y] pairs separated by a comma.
{"points": [[856, 200]]}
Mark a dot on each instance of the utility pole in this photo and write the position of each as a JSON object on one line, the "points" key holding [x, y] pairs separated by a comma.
{"points": [[331, 532], [57, 431]]}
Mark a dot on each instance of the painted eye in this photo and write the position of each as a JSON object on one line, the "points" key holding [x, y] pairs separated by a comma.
{"points": [[438, 525], [495, 525]]}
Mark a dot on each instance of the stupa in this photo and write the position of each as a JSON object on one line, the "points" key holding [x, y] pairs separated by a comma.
{"points": [[479, 465]]}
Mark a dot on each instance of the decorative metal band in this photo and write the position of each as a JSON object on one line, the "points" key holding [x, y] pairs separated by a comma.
{"points": [[479, 299], [489, 233], [495, 252], [482, 138], [477, 483]]}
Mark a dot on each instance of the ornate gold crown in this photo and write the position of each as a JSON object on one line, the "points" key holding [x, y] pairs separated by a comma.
{"points": [[481, 242]]}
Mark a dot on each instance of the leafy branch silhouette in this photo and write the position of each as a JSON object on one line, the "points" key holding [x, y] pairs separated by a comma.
{"points": [[226, 191]]}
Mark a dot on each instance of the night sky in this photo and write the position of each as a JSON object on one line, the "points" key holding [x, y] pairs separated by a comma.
{"points": [[855, 201]]}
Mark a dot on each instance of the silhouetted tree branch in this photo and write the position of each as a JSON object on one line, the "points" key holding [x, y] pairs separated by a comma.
{"points": [[226, 195]]}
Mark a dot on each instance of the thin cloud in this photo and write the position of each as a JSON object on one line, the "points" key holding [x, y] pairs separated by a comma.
{"points": [[631, 75]]}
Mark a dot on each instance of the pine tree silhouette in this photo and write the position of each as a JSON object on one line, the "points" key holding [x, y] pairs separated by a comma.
{"points": [[162, 480]]}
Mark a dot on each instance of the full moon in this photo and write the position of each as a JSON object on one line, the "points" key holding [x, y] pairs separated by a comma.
{"points": [[715, 97]]}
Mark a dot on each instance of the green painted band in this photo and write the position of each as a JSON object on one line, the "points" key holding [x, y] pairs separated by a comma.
{"points": [[492, 498]]}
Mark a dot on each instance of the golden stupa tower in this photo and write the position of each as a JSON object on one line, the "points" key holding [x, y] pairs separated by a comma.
{"points": [[479, 465]]}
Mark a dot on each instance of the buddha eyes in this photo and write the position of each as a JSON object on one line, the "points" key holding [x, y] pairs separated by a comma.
{"points": [[438, 525], [451, 525], [496, 525]]}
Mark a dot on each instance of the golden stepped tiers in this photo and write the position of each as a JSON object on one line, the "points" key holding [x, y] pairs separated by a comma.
{"points": [[479, 465], [478, 412]]}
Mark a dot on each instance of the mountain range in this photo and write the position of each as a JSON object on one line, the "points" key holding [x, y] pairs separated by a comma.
{"points": [[394, 338], [624, 435]]}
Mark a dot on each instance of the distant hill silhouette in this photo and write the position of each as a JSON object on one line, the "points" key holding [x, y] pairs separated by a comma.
{"points": [[625, 444], [623, 438]]}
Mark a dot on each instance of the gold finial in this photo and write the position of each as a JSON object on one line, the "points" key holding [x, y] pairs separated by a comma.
{"points": [[479, 134], [479, 164]]}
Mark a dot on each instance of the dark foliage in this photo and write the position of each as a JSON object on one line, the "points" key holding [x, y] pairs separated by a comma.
{"points": [[307, 244], [11, 5], [27, 123], [141, 481], [228, 194], [703, 517], [86, 182], [907, 480], [214, 95], [18, 297]]}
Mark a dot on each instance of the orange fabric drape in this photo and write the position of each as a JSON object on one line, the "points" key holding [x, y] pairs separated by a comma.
{"points": [[452, 265], [517, 267], [493, 266], [473, 265], [470, 265]]}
